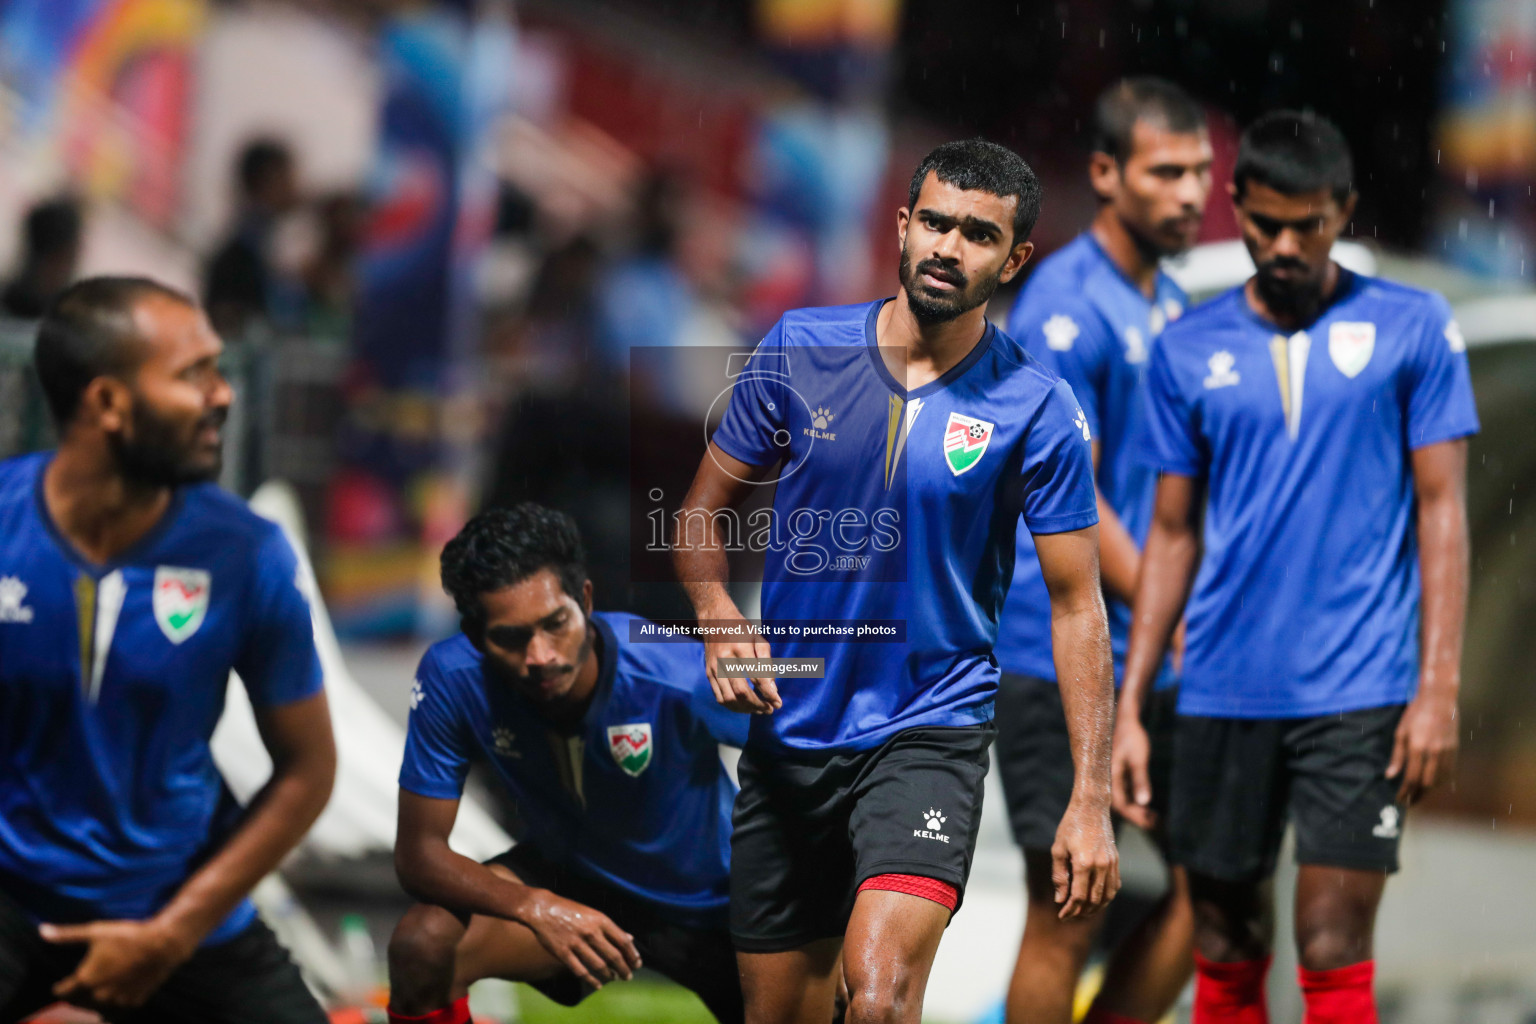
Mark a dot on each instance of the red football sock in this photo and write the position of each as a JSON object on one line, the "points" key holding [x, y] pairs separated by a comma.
{"points": [[1230, 993], [458, 1013], [939, 892], [1099, 1016], [1340, 996]]}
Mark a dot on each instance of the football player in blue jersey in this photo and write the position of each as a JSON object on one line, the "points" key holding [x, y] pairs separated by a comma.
{"points": [[1325, 414], [1092, 312], [608, 741], [130, 586], [911, 436]]}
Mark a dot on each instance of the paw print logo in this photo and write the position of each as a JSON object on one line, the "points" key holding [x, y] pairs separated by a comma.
{"points": [[1082, 424], [417, 694], [822, 418], [503, 740], [933, 819]]}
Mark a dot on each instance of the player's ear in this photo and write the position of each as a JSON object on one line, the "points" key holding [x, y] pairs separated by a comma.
{"points": [[903, 219], [1015, 261], [107, 403], [1103, 175], [1347, 207], [586, 598]]}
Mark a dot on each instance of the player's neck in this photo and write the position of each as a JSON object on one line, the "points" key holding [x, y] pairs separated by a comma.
{"points": [[96, 509], [918, 353], [1300, 313], [1137, 262]]}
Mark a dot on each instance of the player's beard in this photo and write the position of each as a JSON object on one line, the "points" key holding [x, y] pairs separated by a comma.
{"points": [[935, 307], [157, 455], [1295, 297]]}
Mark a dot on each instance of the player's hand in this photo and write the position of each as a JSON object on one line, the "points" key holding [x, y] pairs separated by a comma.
{"points": [[1085, 866], [758, 695], [125, 962], [594, 948], [1130, 781], [1424, 749]]}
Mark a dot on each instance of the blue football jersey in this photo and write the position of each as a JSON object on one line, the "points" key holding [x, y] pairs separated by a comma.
{"points": [[1307, 597], [898, 506], [112, 678], [1082, 317], [636, 796]]}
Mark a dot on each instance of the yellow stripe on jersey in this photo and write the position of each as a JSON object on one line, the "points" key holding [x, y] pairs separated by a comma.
{"points": [[1282, 374]]}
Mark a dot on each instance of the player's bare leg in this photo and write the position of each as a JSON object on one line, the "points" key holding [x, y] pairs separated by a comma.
{"points": [[797, 986], [888, 951], [434, 958], [1149, 969], [1234, 921], [1052, 953], [1336, 915]]}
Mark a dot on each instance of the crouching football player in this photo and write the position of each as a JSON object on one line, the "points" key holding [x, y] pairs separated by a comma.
{"points": [[610, 749]]}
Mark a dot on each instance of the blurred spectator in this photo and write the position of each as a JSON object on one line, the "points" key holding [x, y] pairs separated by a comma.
{"points": [[329, 275], [644, 300], [50, 252], [243, 285]]}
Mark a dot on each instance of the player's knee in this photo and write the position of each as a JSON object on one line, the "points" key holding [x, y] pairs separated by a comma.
{"points": [[884, 997], [1225, 936], [421, 958], [879, 1004], [1047, 935], [1325, 946]]}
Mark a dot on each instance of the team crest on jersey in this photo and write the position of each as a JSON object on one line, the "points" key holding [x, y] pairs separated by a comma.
{"points": [[1350, 346], [965, 441], [180, 600], [631, 746]]}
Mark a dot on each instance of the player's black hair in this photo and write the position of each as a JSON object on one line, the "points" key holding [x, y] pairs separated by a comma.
{"points": [[88, 332], [258, 159], [977, 165], [501, 547], [1294, 152], [51, 227], [1145, 98]]}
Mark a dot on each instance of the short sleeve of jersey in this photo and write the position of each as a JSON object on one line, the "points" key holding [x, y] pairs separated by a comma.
{"points": [[756, 410], [1169, 438], [278, 662], [1069, 337], [1441, 406], [436, 748], [1058, 467]]}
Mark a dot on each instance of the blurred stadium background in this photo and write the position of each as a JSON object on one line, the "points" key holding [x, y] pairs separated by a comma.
{"points": [[433, 234]]}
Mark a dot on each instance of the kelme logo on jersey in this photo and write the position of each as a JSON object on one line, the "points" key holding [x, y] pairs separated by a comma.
{"points": [[13, 594], [180, 600], [965, 442], [631, 746], [1350, 346]]}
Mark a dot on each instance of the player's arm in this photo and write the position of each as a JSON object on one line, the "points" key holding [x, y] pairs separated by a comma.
{"points": [[1083, 360], [1119, 558], [594, 948], [1086, 864], [128, 960], [1167, 572], [722, 483], [1424, 753]]}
